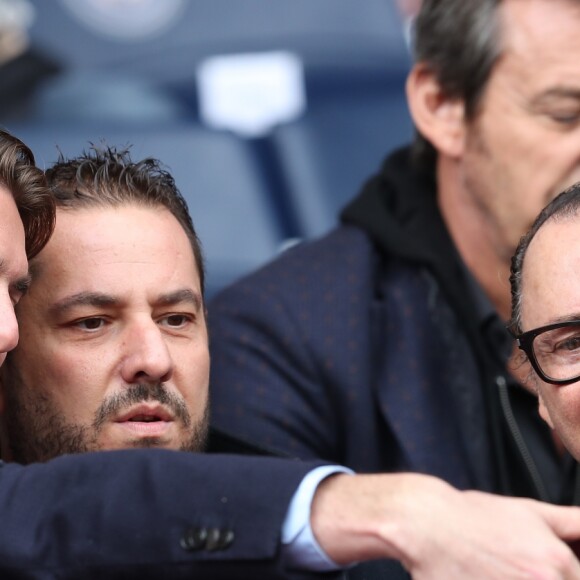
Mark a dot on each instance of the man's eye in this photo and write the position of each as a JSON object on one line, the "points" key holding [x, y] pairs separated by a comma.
{"points": [[570, 344], [175, 320], [565, 118], [90, 323]]}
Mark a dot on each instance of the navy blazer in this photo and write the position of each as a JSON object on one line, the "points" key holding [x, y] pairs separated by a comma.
{"points": [[146, 514], [308, 353]]}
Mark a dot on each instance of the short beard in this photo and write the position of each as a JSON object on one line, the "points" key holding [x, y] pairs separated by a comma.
{"points": [[37, 430]]}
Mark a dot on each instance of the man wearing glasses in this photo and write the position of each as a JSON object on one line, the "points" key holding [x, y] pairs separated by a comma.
{"points": [[545, 285]]}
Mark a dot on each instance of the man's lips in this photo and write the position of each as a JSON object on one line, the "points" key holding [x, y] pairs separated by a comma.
{"points": [[146, 420], [146, 413]]}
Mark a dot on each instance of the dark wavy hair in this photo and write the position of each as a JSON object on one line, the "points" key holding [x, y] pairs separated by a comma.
{"points": [[107, 177], [460, 42], [27, 184]]}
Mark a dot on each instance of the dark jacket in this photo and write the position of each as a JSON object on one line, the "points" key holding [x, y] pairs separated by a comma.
{"points": [[368, 348], [147, 514]]}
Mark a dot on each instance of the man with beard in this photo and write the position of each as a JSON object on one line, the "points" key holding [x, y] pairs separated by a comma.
{"points": [[149, 513], [115, 323]]}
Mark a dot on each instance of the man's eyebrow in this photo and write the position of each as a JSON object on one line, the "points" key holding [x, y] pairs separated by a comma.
{"points": [[83, 299], [184, 295], [567, 318]]}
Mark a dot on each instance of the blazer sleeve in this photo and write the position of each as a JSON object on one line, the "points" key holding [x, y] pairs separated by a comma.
{"points": [[146, 514]]}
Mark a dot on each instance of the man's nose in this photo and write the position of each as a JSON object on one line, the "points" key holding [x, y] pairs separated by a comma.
{"points": [[146, 356], [8, 325]]}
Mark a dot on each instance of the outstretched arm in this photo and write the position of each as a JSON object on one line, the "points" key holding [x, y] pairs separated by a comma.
{"points": [[439, 532]]}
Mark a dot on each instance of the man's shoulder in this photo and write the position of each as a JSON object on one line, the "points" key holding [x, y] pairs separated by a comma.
{"points": [[312, 265], [334, 247]]}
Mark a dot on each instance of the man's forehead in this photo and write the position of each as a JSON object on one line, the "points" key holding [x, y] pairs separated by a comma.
{"points": [[106, 247], [101, 225], [551, 271], [557, 232], [526, 25]]}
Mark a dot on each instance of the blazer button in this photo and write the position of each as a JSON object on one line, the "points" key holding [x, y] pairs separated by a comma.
{"points": [[227, 539], [194, 539], [219, 539]]}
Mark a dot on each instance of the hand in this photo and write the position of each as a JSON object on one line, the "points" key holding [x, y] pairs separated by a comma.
{"points": [[439, 532]]}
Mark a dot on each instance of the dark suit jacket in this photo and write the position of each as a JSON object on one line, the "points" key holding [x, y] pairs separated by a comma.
{"points": [[365, 348], [369, 348], [147, 514]]}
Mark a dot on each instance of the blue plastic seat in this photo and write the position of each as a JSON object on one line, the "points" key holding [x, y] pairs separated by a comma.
{"points": [[327, 155]]}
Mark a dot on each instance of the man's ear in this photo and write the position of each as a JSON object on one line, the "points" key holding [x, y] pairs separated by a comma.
{"points": [[544, 413], [440, 119]]}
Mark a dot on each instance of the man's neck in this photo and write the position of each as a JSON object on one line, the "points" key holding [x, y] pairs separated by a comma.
{"points": [[471, 236]]}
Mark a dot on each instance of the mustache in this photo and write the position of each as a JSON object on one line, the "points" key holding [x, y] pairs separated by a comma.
{"points": [[138, 393]]}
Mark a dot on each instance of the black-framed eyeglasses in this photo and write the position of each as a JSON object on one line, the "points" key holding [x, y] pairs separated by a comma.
{"points": [[554, 351]]}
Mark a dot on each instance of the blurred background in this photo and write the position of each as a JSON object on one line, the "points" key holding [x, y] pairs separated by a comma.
{"points": [[270, 114]]}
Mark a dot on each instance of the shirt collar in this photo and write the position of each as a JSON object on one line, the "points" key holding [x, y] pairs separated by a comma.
{"points": [[493, 329]]}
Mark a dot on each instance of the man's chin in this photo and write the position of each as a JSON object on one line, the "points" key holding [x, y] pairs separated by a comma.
{"points": [[141, 442], [184, 442], [154, 442]]}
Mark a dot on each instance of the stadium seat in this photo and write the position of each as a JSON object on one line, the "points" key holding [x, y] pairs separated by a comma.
{"points": [[326, 156]]}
